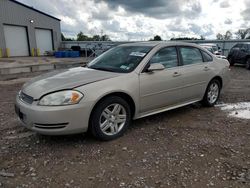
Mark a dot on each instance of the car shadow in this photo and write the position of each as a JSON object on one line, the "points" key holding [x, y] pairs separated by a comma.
{"points": [[146, 122]]}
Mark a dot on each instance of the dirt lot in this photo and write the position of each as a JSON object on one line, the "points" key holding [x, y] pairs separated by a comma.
{"points": [[189, 147]]}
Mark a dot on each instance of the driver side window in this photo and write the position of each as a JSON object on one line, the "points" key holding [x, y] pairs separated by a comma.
{"points": [[166, 56]]}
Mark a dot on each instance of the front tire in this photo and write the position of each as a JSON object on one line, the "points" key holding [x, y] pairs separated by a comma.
{"points": [[248, 64], [212, 93], [110, 118]]}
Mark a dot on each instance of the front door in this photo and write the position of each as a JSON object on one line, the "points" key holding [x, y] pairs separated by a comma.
{"points": [[161, 88]]}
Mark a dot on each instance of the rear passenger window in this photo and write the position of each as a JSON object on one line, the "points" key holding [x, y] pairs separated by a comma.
{"points": [[237, 46], [244, 46], [190, 55], [166, 56], [206, 57], [248, 46]]}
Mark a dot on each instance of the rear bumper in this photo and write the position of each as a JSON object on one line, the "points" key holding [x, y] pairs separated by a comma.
{"points": [[56, 120]]}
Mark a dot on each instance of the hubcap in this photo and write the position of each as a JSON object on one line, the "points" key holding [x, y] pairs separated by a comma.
{"points": [[112, 119], [213, 93]]}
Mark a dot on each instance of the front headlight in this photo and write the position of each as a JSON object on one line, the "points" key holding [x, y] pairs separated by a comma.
{"points": [[66, 97]]}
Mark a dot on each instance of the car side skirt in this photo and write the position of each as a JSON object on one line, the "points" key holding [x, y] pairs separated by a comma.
{"points": [[165, 109]]}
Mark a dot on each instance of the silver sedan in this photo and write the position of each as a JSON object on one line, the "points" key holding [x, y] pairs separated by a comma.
{"points": [[127, 82]]}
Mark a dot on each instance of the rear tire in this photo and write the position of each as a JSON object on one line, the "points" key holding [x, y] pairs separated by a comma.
{"points": [[212, 93], [110, 118], [248, 64]]}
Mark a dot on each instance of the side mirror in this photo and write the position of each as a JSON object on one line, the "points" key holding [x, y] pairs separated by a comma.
{"points": [[155, 67]]}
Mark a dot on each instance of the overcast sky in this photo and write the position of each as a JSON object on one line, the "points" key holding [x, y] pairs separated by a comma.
{"points": [[142, 19]]}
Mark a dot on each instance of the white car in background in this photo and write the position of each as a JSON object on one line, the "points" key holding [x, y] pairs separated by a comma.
{"points": [[214, 49]]}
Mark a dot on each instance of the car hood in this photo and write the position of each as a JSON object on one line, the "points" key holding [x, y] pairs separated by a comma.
{"points": [[64, 79]]}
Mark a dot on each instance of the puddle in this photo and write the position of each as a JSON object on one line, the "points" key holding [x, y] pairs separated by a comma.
{"points": [[238, 110]]}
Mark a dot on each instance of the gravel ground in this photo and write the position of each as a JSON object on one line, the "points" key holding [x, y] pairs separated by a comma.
{"points": [[191, 146]]}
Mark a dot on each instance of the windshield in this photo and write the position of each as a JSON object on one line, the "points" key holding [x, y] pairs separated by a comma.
{"points": [[122, 59]]}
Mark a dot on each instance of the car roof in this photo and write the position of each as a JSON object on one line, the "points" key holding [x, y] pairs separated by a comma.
{"points": [[243, 43], [160, 43], [208, 44]]}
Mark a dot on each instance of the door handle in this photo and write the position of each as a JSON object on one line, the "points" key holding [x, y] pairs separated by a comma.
{"points": [[206, 69], [176, 74]]}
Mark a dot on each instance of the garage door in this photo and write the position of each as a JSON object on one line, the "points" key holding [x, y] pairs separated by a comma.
{"points": [[16, 40], [44, 40]]}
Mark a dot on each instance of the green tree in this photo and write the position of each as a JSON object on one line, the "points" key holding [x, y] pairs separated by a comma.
{"points": [[156, 38], [186, 38], [105, 38], [62, 37], [202, 37], [82, 37], [96, 38]]}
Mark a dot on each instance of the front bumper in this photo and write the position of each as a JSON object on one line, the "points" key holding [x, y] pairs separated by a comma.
{"points": [[54, 120]]}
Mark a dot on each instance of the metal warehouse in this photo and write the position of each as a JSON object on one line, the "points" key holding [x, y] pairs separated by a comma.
{"points": [[25, 31]]}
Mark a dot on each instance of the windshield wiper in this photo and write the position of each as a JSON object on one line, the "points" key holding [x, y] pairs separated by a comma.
{"points": [[102, 69]]}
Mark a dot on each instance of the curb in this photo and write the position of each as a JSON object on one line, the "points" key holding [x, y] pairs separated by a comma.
{"points": [[38, 67]]}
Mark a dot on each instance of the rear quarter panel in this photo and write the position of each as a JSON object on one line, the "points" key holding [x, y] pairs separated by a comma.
{"points": [[221, 69]]}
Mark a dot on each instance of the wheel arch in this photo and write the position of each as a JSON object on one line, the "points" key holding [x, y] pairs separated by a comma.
{"points": [[219, 79], [120, 94]]}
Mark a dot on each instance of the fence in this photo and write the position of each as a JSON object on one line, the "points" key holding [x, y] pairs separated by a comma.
{"points": [[95, 48]]}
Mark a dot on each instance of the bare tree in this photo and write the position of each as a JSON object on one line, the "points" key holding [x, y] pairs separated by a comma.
{"points": [[228, 35], [243, 33], [219, 36]]}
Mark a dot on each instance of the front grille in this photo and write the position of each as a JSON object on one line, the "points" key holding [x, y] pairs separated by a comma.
{"points": [[25, 98]]}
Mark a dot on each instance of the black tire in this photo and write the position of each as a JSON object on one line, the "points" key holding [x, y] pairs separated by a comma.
{"points": [[248, 64], [206, 101], [95, 126], [231, 61]]}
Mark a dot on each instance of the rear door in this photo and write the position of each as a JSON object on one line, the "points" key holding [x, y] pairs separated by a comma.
{"points": [[195, 73], [243, 53], [236, 53]]}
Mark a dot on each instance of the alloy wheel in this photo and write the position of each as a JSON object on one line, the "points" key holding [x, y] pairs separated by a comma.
{"points": [[113, 119], [213, 93]]}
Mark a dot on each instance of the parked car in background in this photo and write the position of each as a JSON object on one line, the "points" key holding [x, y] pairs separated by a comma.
{"points": [[127, 82], [240, 53], [214, 49]]}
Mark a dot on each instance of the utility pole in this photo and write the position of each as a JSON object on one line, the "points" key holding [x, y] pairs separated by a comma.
{"points": [[101, 34]]}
